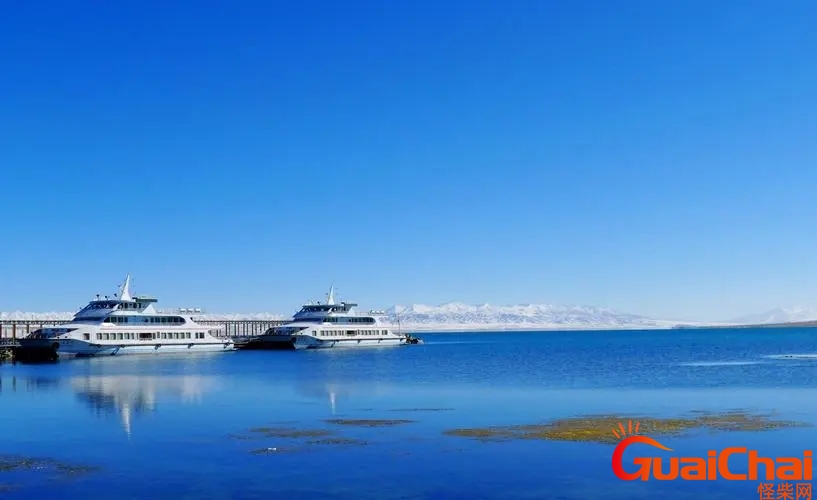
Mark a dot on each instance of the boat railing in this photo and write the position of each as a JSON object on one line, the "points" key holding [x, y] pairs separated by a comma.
{"points": [[182, 310]]}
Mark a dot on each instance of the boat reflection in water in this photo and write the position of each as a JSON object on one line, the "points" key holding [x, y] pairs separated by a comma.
{"points": [[129, 396], [28, 384], [349, 396]]}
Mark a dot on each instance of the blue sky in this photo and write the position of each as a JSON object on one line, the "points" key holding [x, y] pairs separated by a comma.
{"points": [[653, 157]]}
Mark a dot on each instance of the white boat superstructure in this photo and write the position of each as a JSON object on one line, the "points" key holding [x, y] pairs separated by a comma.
{"points": [[126, 324], [331, 324]]}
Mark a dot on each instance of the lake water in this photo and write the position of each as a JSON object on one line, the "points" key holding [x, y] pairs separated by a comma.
{"points": [[180, 427]]}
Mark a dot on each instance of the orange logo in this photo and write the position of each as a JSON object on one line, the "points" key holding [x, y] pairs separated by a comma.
{"points": [[716, 465]]}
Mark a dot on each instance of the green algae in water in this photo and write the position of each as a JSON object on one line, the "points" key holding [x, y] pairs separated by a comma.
{"points": [[600, 428], [17, 463], [73, 470], [334, 441], [338, 441], [281, 432], [422, 409], [274, 450], [369, 422], [284, 432]]}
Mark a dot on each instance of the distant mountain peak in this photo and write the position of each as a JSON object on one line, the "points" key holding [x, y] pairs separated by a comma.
{"points": [[778, 315], [459, 316]]}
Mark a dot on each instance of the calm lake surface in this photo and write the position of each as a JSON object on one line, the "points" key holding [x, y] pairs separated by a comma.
{"points": [[180, 427]]}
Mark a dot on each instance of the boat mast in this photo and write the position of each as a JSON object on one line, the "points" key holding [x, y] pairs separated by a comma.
{"points": [[124, 290]]}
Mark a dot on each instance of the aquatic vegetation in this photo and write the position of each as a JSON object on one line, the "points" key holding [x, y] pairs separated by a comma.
{"points": [[334, 441], [369, 422], [273, 450], [319, 437], [599, 428], [338, 441], [72, 470], [281, 432], [422, 409], [284, 432], [16, 463]]}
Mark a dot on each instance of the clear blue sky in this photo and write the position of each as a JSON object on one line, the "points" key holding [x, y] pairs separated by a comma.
{"points": [[654, 157]]}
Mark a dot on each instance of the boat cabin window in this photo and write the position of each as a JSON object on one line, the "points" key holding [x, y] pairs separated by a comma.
{"points": [[325, 308], [287, 330], [165, 320], [350, 320], [44, 333], [149, 335], [98, 304], [314, 309]]}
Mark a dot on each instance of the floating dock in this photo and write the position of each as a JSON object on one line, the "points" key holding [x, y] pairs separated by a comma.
{"points": [[242, 331], [18, 328], [245, 333]]}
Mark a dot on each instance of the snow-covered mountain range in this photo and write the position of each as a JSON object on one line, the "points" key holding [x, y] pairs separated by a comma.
{"points": [[780, 315], [459, 316]]}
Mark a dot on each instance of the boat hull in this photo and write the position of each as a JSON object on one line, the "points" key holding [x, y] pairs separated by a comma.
{"points": [[83, 348], [308, 342], [268, 343]]}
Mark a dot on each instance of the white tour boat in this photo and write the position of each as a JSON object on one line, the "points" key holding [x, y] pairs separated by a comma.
{"points": [[320, 326], [125, 325]]}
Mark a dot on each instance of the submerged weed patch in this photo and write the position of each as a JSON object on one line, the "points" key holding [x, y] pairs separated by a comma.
{"points": [[17, 463], [338, 441], [307, 438], [332, 441], [281, 432], [599, 428], [273, 450], [422, 409], [369, 422]]}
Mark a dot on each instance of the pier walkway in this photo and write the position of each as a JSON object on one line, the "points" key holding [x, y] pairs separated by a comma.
{"points": [[12, 329]]}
